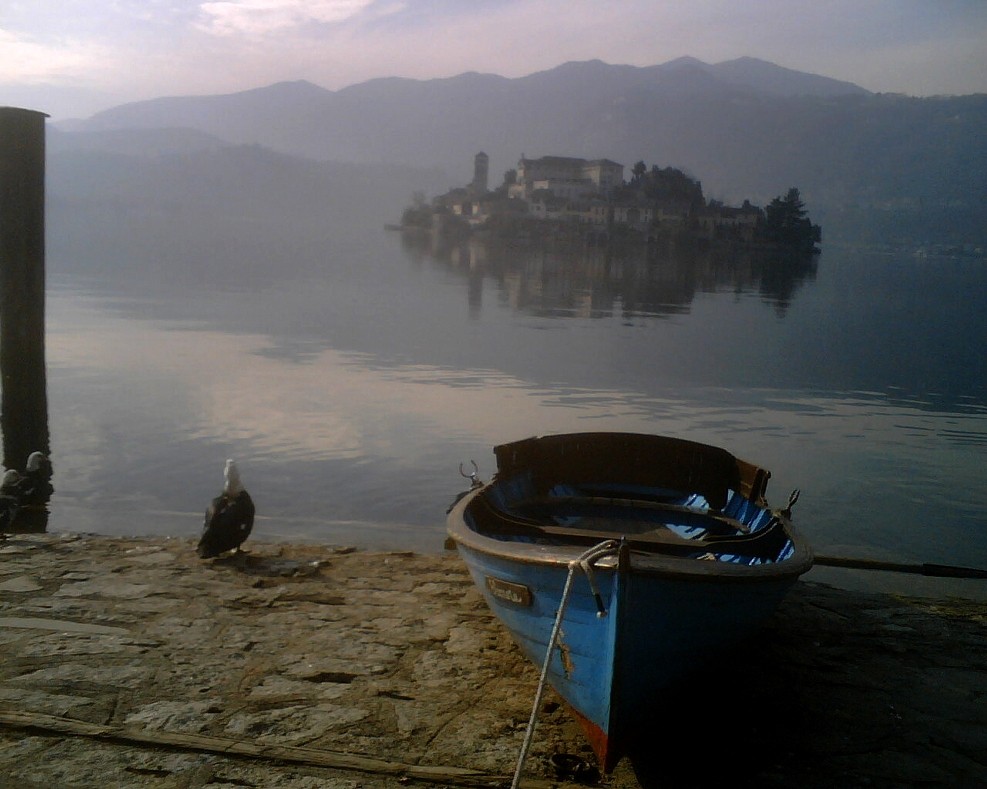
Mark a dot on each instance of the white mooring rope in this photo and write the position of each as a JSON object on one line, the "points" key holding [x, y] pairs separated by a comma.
{"points": [[584, 563]]}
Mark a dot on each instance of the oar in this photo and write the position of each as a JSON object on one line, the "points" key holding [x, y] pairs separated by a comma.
{"points": [[930, 570]]}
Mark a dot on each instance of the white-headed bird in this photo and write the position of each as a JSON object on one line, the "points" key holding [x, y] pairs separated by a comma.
{"points": [[229, 517], [34, 487]]}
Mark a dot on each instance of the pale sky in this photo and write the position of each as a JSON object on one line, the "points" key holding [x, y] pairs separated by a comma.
{"points": [[70, 58]]}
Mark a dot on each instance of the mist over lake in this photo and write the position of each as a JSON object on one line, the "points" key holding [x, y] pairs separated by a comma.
{"points": [[350, 370], [209, 300]]}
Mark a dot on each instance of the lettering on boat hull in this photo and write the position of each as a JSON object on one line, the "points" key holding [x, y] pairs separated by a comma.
{"points": [[509, 592]]}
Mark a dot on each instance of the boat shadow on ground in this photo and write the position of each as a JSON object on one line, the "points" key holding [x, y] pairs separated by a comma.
{"points": [[723, 728], [840, 688]]}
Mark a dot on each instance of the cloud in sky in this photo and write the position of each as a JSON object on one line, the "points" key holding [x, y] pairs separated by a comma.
{"points": [[145, 48], [30, 59], [262, 17]]}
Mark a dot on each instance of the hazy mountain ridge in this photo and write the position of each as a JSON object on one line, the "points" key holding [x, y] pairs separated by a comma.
{"points": [[770, 78], [746, 128], [444, 121]]}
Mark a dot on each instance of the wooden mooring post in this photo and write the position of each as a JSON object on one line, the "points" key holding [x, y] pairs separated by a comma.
{"points": [[24, 404]]}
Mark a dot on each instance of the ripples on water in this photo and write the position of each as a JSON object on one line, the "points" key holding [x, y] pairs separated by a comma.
{"points": [[349, 397]]}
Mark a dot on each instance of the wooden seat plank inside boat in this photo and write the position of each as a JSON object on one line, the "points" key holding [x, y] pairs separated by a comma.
{"points": [[641, 532], [557, 502]]}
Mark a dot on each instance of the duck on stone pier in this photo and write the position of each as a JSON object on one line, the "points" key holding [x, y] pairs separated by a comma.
{"points": [[229, 517]]}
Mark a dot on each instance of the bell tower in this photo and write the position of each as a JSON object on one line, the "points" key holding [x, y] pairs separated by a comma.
{"points": [[481, 167]]}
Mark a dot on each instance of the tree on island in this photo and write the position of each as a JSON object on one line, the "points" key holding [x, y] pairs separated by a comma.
{"points": [[418, 214], [787, 223], [665, 185]]}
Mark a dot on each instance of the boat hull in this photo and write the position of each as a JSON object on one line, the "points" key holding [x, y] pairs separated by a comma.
{"points": [[611, 669], [581, 664], [656, 606]]}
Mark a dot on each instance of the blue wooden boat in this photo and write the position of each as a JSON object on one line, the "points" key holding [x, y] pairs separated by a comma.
{"points": [[636, 556]]}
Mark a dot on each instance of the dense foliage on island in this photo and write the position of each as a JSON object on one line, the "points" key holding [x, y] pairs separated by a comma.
{"points": [[655, 203], [787, 224]]}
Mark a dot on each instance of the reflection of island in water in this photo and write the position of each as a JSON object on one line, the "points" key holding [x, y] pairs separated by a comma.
{"points": [[586, 280]]}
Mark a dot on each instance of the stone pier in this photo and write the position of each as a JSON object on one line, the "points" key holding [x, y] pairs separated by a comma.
{"points": [[132, 663]]}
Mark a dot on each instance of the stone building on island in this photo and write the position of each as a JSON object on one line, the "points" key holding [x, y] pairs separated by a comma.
{"points": [[593, 192], [566, 177]]}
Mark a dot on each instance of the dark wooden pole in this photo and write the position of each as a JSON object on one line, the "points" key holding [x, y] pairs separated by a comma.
{"points": [[24, 404], [930, 570]]}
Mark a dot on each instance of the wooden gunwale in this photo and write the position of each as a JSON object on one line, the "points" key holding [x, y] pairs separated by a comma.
{"points": [[647, 562], [636, 460]]}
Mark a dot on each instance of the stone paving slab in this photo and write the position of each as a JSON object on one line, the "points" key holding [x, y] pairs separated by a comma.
{"points": [[143, 666]]}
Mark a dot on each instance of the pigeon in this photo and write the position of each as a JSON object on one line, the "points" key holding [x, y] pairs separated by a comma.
{"points": [[34, 487], [9, 499], [229, 517]]}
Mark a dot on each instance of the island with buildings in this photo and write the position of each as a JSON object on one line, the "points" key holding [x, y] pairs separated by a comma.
{"points": [[562, 197]]}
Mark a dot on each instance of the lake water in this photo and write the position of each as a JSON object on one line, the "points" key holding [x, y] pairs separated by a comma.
{"points": [[351, 378]]}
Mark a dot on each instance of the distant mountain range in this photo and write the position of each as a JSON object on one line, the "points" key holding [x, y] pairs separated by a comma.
{"points": [[589, 109], [745, 128]]}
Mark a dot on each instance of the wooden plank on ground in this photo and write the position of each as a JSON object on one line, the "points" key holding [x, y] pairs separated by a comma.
{"points": [[312, 757]]}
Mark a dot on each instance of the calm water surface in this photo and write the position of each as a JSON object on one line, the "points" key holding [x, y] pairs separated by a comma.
{"points": [[350, 381]]}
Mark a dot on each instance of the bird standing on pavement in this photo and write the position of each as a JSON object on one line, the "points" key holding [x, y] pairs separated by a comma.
{"points": [[229, 517]]}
